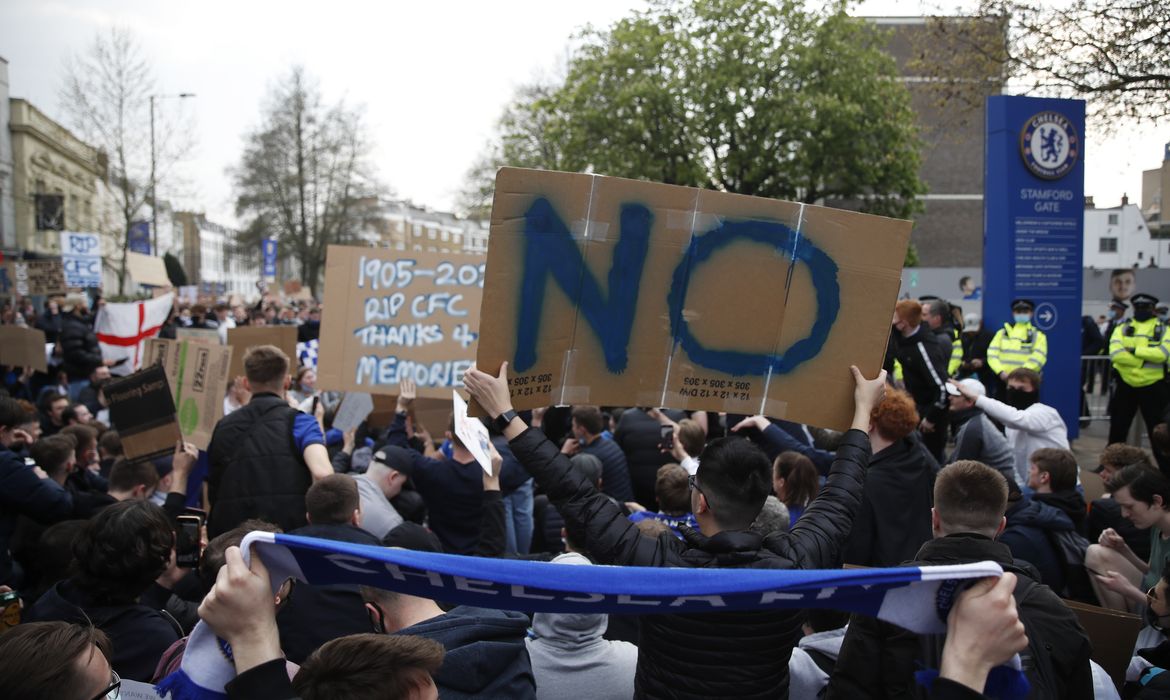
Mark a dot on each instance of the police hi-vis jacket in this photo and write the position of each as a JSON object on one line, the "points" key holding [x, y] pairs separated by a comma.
{"points": [[1017, 345], [1140, 351]]}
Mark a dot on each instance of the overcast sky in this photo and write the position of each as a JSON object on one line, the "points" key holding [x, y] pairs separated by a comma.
{"points": [[433, 76]]}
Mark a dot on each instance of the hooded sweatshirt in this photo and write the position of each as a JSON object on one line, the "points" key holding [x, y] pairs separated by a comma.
{"points": [[138, 634], [806, 678], [571, 660], [1026, 535], [485, 657]]}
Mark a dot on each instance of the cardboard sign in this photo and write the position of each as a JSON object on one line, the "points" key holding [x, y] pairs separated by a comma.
{"points": [[292, 287], [198, 376], [147, 270], [244, 337], [619, 292], [81, 256], [353, 410], [23, 347], [395, 314], [473, 434], [37, 277], [142, 410], [198, 335], [1112, 634]]}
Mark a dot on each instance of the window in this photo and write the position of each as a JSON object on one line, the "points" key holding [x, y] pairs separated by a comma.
{"points": [[446, 235], [1140, 255], [50, 212], [431, 234], [1108, 245], [1113, 219]]}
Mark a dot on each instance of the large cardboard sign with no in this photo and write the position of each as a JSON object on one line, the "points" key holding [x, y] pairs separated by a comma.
{"points": [[198, 376], [244, 337], [398, 313], [619, 292]]}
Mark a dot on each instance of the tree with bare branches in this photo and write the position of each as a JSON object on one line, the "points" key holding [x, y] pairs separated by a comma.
{"points": [[305, 177], [106, 98]]}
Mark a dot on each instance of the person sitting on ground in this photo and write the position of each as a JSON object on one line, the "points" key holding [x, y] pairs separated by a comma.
{"points": [[968, 514], [1149, 665], [1028, 424], [56, 660], [976, 437], [674, 498], [1104, 512], [124, 549], [729, 489], [587, 428], [1052, 476], [895, 512], [795, 482], [266, 455], [372, 667], [1033, 533], [1120, 578]]}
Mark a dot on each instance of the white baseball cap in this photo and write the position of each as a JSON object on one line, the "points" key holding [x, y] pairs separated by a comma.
{"points": [[973, 385]]}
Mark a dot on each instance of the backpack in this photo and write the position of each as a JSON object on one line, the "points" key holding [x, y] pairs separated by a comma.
{"points": [[1070, 547]]}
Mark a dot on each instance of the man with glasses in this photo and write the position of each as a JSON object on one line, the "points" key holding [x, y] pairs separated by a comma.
{"points": [[690, 655], [58, 660]]}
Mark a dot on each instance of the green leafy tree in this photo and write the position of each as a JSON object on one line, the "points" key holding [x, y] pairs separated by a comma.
{"points": [[755, 97]]}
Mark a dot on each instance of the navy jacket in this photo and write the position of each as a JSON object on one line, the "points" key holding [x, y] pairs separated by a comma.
{"points": [[1026, 534], [615, 472], [22, 492], [486, 656]]}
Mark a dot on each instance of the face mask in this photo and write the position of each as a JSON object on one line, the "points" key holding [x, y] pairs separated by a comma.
{"points": [[1022, 318], [1154, 620], [1020, 399], [1164, 315], [1142, 314]]}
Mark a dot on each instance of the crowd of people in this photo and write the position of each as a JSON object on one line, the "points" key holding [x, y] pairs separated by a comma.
{"points": [[952, 458]]}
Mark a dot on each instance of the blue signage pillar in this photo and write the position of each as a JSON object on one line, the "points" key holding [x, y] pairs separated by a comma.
{"points": [[1033, 225], [268, 263]]}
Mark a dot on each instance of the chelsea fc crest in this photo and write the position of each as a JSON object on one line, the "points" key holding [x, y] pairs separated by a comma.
{"points": [[1049, 145]]}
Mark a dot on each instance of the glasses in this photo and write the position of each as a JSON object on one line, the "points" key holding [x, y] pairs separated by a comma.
{"points": [[114, 691], [693, 483], [1152, 596]]}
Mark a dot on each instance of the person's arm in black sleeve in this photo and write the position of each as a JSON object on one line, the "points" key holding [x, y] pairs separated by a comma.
{"points": [[774, 440], [493, 536], [396, 433], [22, 491], [268, 681]]}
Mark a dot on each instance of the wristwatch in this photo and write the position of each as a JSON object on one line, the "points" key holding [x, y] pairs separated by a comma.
{"points": [[501, 421]]}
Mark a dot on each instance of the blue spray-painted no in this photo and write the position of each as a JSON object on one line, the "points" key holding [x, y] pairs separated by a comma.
{"points": [[550, 249]]}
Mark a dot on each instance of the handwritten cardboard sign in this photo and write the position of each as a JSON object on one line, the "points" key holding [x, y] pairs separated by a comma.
{"points": [[142, 409], [81, 256], [391, 314], [23, 347], [353, 410], [244, 337], [197, 373], [618, 292], [147, 270], [37, 277]]}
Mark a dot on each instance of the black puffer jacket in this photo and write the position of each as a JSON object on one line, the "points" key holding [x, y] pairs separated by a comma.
{"points": [[731, 654], [79, 346], [639, 436]]}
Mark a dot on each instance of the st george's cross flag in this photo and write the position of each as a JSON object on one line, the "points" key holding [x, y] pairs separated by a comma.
{"points": [[123, 329], [916, 598]]}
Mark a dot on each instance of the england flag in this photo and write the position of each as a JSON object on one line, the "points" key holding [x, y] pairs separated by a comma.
{"points": [[123, 329]]}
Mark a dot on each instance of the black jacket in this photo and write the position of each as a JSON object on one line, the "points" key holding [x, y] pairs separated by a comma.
{"points": [[256, 469], [924, 370], [138, 634], [878, 659], [895, 513], [615, 471], [639, 436], [1070, 502], [79, 346], [975, 346], [729, 654], [22, 492]]}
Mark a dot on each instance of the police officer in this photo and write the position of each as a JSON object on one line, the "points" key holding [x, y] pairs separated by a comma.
{"points": [[1140, 350], [1019, 343]]}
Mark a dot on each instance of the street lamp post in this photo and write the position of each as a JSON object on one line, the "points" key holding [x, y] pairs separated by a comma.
{"points": [[153, 159]]}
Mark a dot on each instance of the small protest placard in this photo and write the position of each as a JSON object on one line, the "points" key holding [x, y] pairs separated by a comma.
{"points": [[38, 277], [142, 410], [23, 347], [81, 256], [473, 434], [198, 376], [618, 292], [244, 337], [394, 314], [198, 335], [147, 270], [353, 410]]}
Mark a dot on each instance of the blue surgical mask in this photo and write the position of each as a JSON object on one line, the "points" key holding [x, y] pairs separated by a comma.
{"points": [[1022, 318]]}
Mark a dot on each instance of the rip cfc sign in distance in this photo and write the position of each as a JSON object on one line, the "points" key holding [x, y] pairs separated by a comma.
{"points": [[618, 292]]}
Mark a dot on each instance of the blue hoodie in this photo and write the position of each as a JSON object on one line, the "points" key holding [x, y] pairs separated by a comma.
{"points": [[486, 656], [1027, 535]]}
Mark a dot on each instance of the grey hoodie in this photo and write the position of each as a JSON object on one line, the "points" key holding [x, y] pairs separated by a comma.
{"points": [[805, 677], [571, 660]]}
